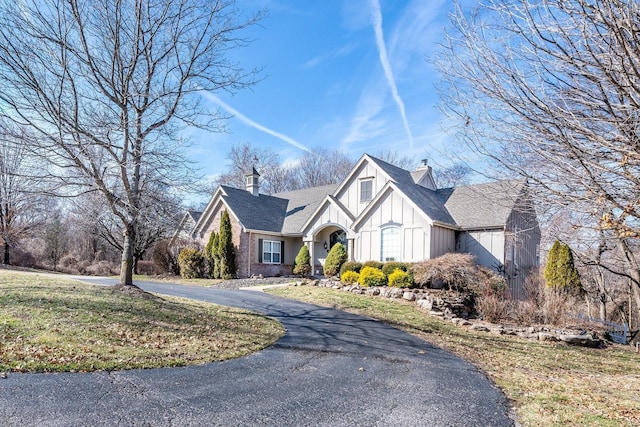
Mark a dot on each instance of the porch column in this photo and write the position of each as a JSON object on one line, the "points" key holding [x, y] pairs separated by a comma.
{"points": [[310, 246], [350, 246]]}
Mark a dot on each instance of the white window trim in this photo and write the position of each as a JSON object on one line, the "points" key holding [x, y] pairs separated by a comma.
{"points": [[397, 227], [363, 180], [264, 251]]}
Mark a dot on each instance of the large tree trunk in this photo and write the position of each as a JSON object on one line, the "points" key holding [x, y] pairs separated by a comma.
{"points": [[126, 269], [634, 274], [7, 250]]}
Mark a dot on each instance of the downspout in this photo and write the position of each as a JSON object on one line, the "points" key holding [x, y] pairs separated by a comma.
{"points": [[249, 257]]}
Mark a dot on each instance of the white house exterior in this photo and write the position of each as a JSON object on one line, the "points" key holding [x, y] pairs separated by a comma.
{"points": [[379, 212]]}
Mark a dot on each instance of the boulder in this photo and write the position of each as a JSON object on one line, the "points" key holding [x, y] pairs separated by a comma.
{"points": [[546, 336], [409, 296], [425, 304], [583, 340], [372, 291]]}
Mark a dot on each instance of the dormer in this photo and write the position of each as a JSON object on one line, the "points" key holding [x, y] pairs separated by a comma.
{"points": [[252, 182], [423, 176]]}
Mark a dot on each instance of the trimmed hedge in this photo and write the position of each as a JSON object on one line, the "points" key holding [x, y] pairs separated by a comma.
{"points": [[374, 264], [350, 266], [400, 279], [349, 277], [391, 266], [371, 276]]}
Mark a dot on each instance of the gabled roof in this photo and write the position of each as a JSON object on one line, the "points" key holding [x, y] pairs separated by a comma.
{"points": [[302, 203], [262, 212], [425, 199], [195, 215], [468, 207], [482, 205]]}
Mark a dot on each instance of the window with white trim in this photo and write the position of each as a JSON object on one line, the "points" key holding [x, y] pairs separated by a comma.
{"points": [[390, 244], [366, 190], [271, 252]]}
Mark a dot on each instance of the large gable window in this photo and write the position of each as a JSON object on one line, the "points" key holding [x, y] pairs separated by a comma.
{"points": [[390, 244], [271, 251], [366, 190]]}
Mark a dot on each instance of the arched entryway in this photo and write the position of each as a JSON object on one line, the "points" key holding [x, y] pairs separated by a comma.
{"points": [[323, 240]]}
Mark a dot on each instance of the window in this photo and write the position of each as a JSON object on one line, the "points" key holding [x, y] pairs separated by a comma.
{"points": [[338, 237], [271, 252], [366, 190], [390, 244]]}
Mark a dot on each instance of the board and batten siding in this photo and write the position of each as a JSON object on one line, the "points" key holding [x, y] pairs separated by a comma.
{"points": [[443, 241], [486, 245], [350, 194], [393, 210], [521, 247], [331, 215]]}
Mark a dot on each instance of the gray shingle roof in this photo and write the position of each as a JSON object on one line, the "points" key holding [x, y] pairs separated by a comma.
{"points": [[260, 212], [482, 205], [425, 199], [474, 206], [301, 205], [195, 215]]}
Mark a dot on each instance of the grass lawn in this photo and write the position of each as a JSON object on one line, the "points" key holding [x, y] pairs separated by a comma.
{"points": [[49, 324], [549, 384]]}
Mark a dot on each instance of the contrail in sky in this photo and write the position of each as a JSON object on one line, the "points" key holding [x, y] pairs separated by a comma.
{"points": [[253, 124], [376, 21]]}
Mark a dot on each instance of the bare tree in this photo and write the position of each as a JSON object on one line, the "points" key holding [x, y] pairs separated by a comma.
{"points": [[549, 90], [22, 208], [160, 213], [106, 87], [241, 159], [397, 159], [452, 176], [322, 167], [315, 168]]}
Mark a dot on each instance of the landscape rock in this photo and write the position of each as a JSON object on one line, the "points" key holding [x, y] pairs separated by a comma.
{"points": [[478, 327], [409, 296], [583, 340], [547, 336], [425, 304], [372, 291]]}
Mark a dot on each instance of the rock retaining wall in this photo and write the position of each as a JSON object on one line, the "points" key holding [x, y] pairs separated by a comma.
{"points": [[458, 308]]}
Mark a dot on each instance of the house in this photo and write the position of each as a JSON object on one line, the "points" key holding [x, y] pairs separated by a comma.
{"points": [[379, 212], [185, 227]]}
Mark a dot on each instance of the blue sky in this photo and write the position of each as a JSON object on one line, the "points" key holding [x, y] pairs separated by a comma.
{"points": [[351, 75]]}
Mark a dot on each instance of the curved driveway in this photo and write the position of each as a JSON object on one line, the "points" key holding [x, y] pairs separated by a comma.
{"points": [[331, 368]]}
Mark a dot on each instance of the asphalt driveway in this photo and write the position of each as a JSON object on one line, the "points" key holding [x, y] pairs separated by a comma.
{"points": [[331, 368]]}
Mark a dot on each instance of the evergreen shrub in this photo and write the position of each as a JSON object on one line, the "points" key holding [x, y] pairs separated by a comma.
{"points": [[374, 264], [191, 263], [349, 277], [350, 266], [336, 257], [371, 276], [400, 279], [302, 265]]}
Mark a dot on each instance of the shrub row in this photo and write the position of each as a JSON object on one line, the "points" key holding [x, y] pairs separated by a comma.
{"points": [[374, 273]]}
